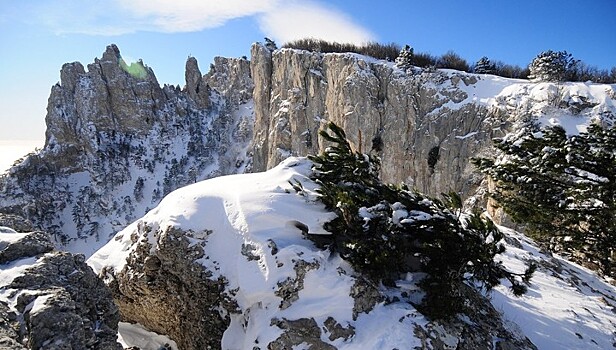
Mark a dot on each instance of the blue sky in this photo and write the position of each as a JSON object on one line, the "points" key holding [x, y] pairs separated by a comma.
{"points": [[38, 36]]}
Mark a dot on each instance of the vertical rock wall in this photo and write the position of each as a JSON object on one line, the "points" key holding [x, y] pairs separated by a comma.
{"points": [[420, 124]]}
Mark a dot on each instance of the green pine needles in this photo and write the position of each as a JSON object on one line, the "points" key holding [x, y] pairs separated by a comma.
{"points": [[562, 188], [385, 231]]}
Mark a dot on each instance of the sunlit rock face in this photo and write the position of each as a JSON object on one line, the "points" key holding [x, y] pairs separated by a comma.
{"points": [[424, 124]]}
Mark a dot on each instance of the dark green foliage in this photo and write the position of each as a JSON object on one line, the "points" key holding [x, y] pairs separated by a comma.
{"points": [[381, 51], [138, 190], [551, 66], [385, 230], [563, 188], [484, 66]]}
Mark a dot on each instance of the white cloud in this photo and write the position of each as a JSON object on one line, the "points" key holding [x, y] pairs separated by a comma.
{"points": [[193, 15], [282, 20], [311, 20], [116, 17]]}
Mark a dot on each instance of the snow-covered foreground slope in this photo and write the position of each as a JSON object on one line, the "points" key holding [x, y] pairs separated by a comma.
{"points": [[280, 291], [567, 306], [248, 224]]}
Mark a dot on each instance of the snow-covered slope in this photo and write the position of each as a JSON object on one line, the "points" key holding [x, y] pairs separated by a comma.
{"points": [[255, 245], [287, 293]]}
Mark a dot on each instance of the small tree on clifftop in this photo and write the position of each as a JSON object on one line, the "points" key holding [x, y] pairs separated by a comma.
{"points": [[553, 66], [484, 66], [404, 60]]}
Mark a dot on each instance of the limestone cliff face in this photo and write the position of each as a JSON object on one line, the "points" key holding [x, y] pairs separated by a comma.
{"points": [[421, 124], [117, 142]]}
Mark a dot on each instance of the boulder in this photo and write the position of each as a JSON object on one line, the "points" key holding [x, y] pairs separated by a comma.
{"points": [[51, 299]]}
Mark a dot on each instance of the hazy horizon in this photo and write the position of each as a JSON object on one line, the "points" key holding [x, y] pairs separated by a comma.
{"points": [[12, 150]]}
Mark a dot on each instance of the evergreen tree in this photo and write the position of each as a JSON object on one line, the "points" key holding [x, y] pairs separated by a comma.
{"points": [[551, 66], [484, 66], [404, 60], [562, 188], [385, 231]]}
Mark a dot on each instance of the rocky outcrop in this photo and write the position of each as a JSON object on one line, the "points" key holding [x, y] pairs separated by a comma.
{"points": [[51, 300], [117, 142], [163, 288], [231, 78], [196, 87], [421, 125], [482, 328], [106, 98]]}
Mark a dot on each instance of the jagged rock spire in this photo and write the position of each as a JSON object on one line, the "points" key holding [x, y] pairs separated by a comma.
{"points": [[196, 87]]}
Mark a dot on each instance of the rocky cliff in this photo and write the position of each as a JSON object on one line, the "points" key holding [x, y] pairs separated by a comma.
{"points": [[424, 124], [224, 262], [117, 142]]}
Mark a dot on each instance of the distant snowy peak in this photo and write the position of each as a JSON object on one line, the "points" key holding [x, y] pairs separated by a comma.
{"points": [[242, 236]]}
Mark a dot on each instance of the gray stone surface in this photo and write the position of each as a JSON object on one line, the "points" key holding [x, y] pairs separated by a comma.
{"points": [[481, 327], [401, 117], [60, 302], [120, 133], [303, 331], [35, 243], [168, 292]]}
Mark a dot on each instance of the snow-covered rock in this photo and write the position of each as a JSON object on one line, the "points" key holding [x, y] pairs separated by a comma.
{"points": [[224, 263], [51, 300]]}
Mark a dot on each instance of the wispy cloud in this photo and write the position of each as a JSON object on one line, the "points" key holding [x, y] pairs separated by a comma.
{"points": [[283, 20], [115, 17], [312, 20], [193, 15]]}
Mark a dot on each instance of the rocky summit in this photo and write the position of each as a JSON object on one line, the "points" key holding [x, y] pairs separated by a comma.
{"points": [[117, 143], [186, 209]]}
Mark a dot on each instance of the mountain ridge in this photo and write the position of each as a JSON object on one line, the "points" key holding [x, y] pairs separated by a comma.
{"points": [[119, 146]]}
